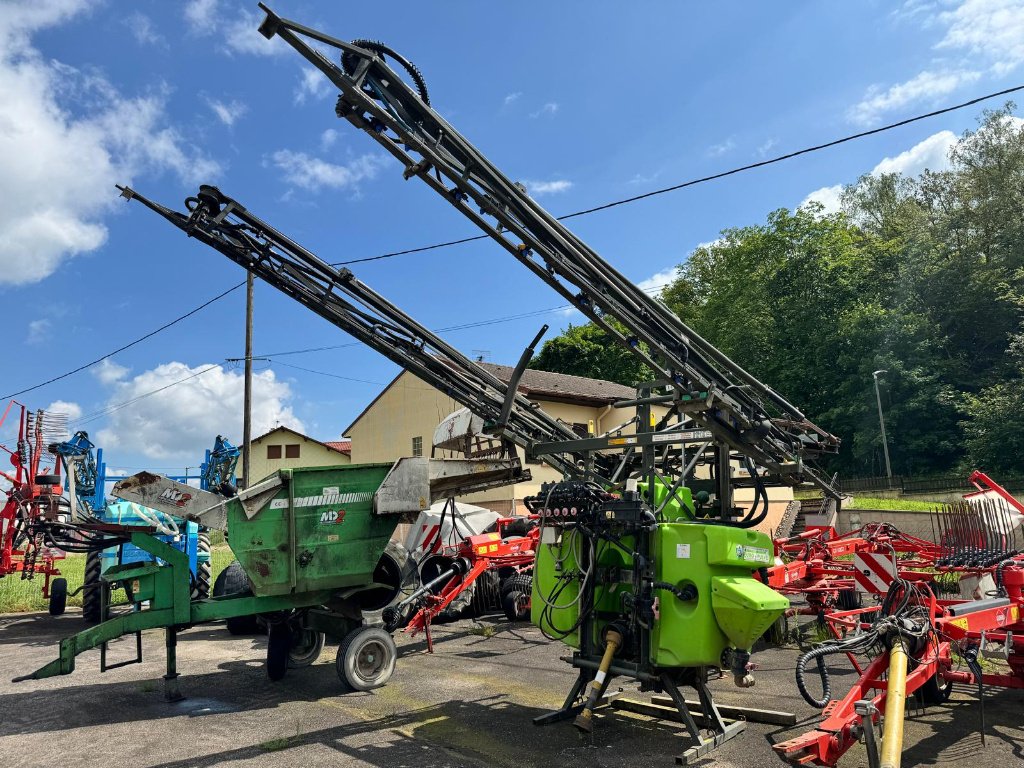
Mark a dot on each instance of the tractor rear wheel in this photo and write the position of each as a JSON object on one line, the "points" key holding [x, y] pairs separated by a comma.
{"points": [[92, 595], [366, 658], [58, 596]]}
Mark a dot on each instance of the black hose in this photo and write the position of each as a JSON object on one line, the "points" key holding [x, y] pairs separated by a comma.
{"points": [[819, 654]]}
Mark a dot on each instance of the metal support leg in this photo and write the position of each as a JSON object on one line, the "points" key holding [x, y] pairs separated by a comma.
{"points": [[171, 690], [572, 706]]}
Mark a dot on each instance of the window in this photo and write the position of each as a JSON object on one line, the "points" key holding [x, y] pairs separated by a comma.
{"points": [[417, 446], [273, 451], [291, 451]]}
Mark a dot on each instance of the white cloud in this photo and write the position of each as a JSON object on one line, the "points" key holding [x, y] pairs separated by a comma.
{"points": [[925, 86], [987, 33], [312, 173], [181, 421], [654, 284], [227, 113], [549, 109], [38, 331], [717, 150], [829, 197], [238, 27], [932, 154], [328, 138], [768, 146], [513, 97], [109, 372], [142, 29], [66, 137], [990, 29], [538, 188], [312, 84], [72, 410]]}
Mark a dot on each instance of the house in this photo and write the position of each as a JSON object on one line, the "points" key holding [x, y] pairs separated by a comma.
{"points": [[401, 420], [284, 448]]}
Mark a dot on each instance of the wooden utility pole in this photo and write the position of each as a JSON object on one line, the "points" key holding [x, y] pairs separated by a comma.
{"points": [[247, 415]]}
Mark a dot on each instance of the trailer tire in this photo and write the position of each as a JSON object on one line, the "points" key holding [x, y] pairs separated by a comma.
{"points": [[849, 599], [201, 589], [933, 693], [279, 641], [366, 658], [58, 596], [92, 596], [778, 633], [516, 606], [233, 581], [305, 647], [48, 480], [517, 582]]}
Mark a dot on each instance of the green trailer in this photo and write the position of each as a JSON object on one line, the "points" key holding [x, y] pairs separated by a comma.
{"points": [[310, 542]]}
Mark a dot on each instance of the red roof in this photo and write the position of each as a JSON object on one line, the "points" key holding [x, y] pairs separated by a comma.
{"points": [[342, 446]]}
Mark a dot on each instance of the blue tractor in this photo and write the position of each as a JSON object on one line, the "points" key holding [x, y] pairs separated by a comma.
{"points": [[86, 485]]}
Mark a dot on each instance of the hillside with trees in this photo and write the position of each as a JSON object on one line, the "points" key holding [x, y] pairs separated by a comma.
{"points": [[923, 277]]}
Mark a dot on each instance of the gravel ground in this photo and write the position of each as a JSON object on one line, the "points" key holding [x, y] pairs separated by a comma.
{"points": [[468, 704]]}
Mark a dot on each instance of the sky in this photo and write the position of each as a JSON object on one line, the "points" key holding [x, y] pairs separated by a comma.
{"points": [[585, 102]]}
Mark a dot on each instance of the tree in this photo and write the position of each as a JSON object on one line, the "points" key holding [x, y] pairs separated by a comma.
{"points": [[587, 350]]}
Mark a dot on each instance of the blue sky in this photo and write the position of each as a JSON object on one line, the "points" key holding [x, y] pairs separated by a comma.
{"points": [[586, 102]]}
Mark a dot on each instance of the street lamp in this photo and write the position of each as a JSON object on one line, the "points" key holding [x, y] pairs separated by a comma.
{"points": [[881, 422]]}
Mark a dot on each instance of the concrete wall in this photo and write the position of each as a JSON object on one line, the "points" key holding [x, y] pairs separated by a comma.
{"points": [[912, 523], [311, 454]]}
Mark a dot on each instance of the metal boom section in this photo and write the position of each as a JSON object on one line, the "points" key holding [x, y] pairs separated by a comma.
{"points": [[340, 298], [741, 411]]}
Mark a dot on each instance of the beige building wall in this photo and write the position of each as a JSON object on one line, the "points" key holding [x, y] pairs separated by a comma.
{"points": [[311, 453]]}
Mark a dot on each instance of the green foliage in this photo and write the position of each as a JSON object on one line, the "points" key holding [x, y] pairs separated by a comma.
{"points": [[921, 277]]}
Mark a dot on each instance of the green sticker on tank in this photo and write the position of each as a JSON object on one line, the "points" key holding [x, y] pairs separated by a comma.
{"points": [[753, 554]]}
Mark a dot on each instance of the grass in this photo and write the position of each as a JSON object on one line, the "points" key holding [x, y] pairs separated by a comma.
{"points": [[899, 505], [483, 630], [19, 595], [276, 745]]}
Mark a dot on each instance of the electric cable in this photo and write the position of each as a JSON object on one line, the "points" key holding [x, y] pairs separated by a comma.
{"points": [[595, 209]]}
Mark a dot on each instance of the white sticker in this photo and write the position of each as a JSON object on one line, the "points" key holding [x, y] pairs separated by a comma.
{"points": [[682, 551], [332, 491], [756, 555]]}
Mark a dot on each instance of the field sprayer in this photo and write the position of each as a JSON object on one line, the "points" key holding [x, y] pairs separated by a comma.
{"points": [[627, 555], [34, 504]]}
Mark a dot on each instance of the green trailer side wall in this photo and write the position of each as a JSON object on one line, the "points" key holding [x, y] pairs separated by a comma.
{"points": [[318, 532]]}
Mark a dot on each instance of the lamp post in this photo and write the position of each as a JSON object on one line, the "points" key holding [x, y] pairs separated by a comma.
{"points": [[881, 423]]}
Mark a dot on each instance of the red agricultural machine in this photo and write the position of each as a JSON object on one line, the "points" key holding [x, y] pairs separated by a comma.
{"points": [[34, 494], [912, 640], [505, 554]]}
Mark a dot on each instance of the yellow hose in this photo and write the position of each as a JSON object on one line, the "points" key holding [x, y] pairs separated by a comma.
{"points": [[584, 721], [895, 707]]}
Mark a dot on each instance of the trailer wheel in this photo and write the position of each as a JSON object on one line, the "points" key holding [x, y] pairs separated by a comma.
{"points": [[933, 693], [201, 590], [516, 606], [366, 658], [279, 641], [849, 599], [306, 646], [58, 596], [517, 582], [92, 591], [233, 581]]}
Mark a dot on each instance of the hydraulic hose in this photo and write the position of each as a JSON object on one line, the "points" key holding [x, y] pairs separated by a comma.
{"points": [[818, 654]]}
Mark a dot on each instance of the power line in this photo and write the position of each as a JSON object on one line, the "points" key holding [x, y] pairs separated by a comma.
{"points": [[332, 375], [118, 406], [605, 206]]}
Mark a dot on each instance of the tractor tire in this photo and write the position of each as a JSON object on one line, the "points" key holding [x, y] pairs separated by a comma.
{"points": [[519, 582], [92, 591], [201, 584], [306, 646], [516, 606], [58, 596], [233, 581], [366, 658], [279, 641]]}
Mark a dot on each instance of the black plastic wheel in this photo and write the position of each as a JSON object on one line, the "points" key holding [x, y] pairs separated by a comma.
{"points": [[92, 595], [366, 658], [516, 606], [233, 581], [201, 585], [58, 596], [279, 641], [306, 646]]}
